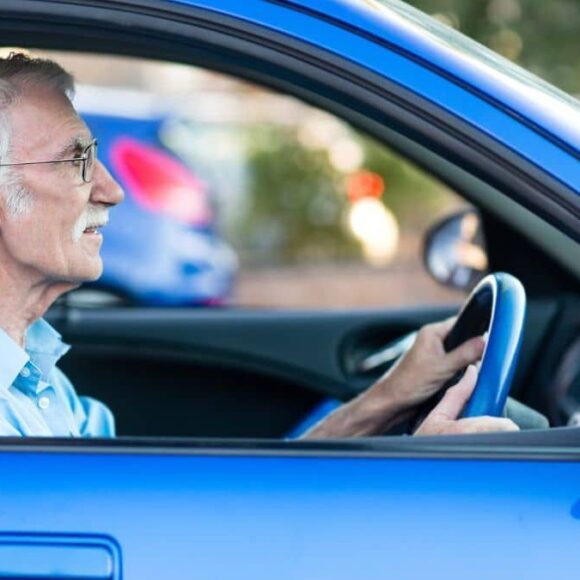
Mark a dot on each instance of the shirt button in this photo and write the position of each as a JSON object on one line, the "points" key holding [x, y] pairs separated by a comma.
{"points": [[44, 403], [25, 372]]}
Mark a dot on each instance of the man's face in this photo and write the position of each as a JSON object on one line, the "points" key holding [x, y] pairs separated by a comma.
{"points": [[51, 240]]}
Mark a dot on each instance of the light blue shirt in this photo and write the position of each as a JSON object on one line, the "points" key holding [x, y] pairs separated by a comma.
{"points": [[36, 398]]}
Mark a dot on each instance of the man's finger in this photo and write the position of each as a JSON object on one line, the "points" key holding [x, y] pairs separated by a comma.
{"points": [[485, 425], [465, 354], [442, 329], [455, 398]]}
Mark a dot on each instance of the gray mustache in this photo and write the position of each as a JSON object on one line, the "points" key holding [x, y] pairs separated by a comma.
{"points": [[96, 216]]}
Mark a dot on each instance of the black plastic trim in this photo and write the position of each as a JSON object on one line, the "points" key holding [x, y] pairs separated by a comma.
{"points": [[543, 445], [206, 337]]}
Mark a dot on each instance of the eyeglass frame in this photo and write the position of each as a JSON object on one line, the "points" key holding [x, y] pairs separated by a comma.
{"points": [[84, 158]]}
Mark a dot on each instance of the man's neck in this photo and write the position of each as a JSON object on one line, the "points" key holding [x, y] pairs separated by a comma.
{"points": [[23, 302]]}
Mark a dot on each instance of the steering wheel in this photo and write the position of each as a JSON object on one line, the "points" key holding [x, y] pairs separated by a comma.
{"points": [[495, 307]]}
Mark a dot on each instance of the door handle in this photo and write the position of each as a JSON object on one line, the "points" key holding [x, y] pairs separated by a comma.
{"points": [[58, 557], [388, 354]]}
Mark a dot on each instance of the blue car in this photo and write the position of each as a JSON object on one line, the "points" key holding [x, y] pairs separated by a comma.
{"points": [[162, 245], [207, 479]]}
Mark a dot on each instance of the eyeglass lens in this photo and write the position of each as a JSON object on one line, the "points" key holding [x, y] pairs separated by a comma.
{"points": [[89, 163]]}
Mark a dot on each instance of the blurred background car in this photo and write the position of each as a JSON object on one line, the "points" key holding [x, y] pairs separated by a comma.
{"points": [[163, 246]]}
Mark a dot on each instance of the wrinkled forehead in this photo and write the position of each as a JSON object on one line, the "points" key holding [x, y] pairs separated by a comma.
{"points": [[44, 124]]}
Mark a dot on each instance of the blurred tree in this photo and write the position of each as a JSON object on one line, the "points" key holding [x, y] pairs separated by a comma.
{"points": [[407, 187], [296, 200]]}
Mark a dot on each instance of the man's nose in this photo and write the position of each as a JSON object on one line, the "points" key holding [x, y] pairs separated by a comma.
{"points": [[105, 189]]}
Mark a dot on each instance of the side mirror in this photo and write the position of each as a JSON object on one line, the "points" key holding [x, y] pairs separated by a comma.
{"points": [[454, 251]]}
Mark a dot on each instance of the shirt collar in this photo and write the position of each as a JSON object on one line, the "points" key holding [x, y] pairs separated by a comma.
{"points": [[12, 359], [44, 348]]}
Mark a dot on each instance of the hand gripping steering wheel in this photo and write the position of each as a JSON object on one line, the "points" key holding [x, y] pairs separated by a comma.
{"points": [[497, 307]]}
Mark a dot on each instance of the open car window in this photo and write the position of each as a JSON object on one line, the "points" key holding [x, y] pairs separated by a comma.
{"points": [[298, 240], [240, 196]]}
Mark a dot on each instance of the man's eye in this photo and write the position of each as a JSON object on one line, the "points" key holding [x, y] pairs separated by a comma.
{"points": [[77, 158]]}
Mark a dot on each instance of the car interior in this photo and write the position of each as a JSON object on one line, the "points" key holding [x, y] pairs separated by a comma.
{"points": [[258, 374], [234, 373], [228, 372]]}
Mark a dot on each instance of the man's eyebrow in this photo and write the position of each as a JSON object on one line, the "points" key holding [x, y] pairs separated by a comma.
{"points": [[73, 146]]}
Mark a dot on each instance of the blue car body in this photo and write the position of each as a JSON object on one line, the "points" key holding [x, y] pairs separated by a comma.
{"points": [[495, 506], [316, 516]]}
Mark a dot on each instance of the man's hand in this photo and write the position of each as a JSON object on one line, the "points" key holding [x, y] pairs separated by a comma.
{"points": [[443, 418], [426, 366], [420, 373]]}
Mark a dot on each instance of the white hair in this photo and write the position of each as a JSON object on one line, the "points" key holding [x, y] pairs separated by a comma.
{"points": [[19, 200], [19, 72], [7, 97]]}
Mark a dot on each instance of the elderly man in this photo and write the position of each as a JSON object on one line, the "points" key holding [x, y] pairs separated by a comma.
{"points": [[54, 197]]}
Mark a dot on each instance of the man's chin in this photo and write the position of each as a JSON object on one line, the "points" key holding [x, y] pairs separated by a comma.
{"points": [[90, 272], [95, 275]]}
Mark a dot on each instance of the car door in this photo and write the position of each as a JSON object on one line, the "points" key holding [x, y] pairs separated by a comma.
{"points": [[167, 508]]}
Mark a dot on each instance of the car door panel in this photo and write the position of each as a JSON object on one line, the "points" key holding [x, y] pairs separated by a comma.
{"points": [[230, 512], [237, 373], [219, 373]]}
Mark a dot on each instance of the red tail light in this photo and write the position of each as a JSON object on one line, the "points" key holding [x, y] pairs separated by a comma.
{"points": [[160, 183]]}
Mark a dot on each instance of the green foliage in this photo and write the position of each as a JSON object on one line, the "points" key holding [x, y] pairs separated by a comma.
{"points": [[296, 200], [298, 204], [413, 196]]}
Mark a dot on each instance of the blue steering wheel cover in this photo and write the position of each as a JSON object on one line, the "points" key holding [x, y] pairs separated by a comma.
{"points": [[503, 345]]}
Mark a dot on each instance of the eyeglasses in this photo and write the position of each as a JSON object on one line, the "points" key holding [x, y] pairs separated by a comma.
{"points": [[87, 161]]}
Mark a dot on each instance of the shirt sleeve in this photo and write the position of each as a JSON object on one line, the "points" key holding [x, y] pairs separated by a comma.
{"points": [[98, 421], [8, 430], [91, 417]]}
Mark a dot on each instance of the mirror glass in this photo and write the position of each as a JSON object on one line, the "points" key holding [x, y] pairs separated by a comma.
{"points": [[455, 252]]}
